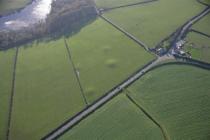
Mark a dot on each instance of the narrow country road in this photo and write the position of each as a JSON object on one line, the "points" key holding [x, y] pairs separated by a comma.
{"points": [[115, 91], [188, 24]]}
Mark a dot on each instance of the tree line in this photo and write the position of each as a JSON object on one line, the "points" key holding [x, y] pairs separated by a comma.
{"points": [[66, 17]]}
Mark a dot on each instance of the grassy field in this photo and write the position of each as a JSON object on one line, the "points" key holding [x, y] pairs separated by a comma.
{"points": [[113, 3], [6, 69], [104, 57], [203, 25], [154, 21], [7, 6], [46, 91], [179, 98], [120, 119], [206, 1], [198, 46]]}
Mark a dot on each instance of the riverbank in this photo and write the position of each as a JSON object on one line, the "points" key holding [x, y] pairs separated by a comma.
{"points": [[14, 6], [65, 18]]}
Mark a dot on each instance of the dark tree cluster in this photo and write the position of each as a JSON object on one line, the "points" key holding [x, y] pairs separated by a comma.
{"points": [[66, 17], [11, 38]]}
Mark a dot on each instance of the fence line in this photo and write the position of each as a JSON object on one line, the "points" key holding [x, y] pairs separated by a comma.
{"points": [[75, 72], [163, 130], [127, 5], [68, 124], [127, 34], [201, 33], [12, 94]]}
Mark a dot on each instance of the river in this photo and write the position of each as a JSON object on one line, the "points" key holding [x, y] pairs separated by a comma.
{"points": [[31, 14]]}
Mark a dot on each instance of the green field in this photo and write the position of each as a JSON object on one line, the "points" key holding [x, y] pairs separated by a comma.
{"points": [[120, 119], [206, 1], [46, 91], [179, 98], [203, 25], [7, 6], [104, 57], [154, 21], [54, 78], [6, 70], [113, 3], [198, 46]]}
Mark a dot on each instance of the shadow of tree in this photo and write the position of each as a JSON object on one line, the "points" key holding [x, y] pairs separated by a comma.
{"points": [[48, 37]]}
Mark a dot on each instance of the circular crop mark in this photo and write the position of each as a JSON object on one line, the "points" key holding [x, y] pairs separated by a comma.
{"points": [[111, 63], [106, 49], [90, 91]]}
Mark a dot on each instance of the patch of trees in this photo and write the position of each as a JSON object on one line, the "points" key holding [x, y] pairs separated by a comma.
{"points": [[11, 38], [66, 17]]}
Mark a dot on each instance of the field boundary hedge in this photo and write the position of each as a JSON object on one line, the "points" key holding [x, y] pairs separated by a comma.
{"points": [[75, 71], [92, 104], [126, 33], [200, 33], [126, 5], [12, 93], [201, 2], [187, 61], [163, 130]]}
